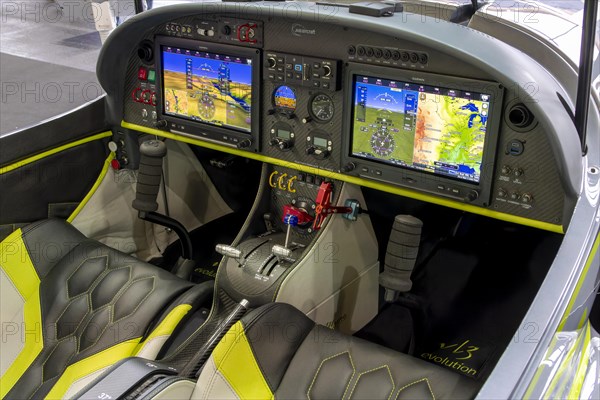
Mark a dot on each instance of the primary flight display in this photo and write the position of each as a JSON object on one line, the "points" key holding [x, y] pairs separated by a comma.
{"points": [[207, 87], [420, 127]]}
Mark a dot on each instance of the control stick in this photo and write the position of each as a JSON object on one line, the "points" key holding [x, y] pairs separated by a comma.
{"points": [[400, 257], [146, 191], [149, 175]]}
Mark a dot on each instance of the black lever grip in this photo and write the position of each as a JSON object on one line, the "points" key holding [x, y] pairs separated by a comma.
{"points": [[149, 175], [401, 254]]}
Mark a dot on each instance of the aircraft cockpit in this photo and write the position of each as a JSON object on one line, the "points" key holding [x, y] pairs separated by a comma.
{"points": [[310, 200]]}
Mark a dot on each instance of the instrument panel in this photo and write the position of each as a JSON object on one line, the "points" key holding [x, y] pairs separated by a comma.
{"points": [[383, 110]]}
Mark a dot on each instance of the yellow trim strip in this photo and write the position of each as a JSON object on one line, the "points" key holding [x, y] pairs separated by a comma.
{"points": [[47, 153], [564, 365], [351, 179], [167, 325], [16, 263], [538, 373], [91, 364], [89, 195], [573, 298], [232, 354], [584, 356], [541, 368]]}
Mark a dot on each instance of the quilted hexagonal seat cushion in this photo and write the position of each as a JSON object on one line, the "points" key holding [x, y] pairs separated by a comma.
{"points": [[71, 307]]}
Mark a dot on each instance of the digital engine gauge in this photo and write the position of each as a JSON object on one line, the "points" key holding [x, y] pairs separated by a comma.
{"points": [[321, 107]]}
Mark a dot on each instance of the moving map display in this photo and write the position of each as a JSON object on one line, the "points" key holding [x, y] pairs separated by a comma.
{"points": [[432, 129], [207, 87]]}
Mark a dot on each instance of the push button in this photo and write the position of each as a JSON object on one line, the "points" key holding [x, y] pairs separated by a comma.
{"points": [[151, 76], [142, 74]]}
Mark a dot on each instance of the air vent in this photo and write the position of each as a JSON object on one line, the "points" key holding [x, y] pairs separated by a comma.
{"points": [[519, 118], [145, 52]]}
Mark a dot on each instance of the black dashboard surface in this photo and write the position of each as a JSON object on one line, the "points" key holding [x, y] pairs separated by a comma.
{"points": [[433, 111]]}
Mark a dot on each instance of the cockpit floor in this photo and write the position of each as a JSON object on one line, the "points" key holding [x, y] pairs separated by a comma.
{"points": [[469, 297]]}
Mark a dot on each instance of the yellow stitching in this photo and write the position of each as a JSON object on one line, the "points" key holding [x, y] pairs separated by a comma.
{"points": [[373, 370], [352, 377], [123, 289], [72, 299], [140, 303], [321, 365], [414, 383], [79, 266]]}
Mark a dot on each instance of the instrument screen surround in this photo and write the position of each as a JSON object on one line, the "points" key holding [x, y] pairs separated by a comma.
{"points": [[383, 141], [224, 82]]}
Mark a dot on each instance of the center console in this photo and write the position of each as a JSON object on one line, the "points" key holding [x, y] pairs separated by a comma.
{"points": [[297, 251]]}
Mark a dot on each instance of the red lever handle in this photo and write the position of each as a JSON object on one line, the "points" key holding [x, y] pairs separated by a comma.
{"points": [[324, 207]]}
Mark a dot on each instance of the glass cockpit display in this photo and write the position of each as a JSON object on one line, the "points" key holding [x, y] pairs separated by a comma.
{"points": [[433, 129], [207, 87]]}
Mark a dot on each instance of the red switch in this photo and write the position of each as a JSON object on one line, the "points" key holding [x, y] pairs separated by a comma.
{"points": [[115, 164], [142, 74]]}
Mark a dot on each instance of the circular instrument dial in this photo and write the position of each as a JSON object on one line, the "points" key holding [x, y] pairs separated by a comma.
{"points": [[284, 99], [382, 142], [206, 107], [321, 107]]}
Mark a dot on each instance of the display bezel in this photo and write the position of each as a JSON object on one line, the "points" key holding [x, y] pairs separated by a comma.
{"points": [[419, 179], [228, 135]]}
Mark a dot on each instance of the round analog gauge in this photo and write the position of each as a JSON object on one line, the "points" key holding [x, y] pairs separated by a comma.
{"points": [[206, 107], [382, 142], [284, 99], [321, 107]]}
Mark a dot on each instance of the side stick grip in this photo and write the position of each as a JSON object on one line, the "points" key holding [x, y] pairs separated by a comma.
{"points": [[149, 175]]}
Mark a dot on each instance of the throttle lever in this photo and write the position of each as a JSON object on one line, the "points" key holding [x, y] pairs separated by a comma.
{"points": [[228, 251]]}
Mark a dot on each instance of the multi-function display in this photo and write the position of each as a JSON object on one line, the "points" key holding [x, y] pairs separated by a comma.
{"points": [[207, 87], [433, 129]]}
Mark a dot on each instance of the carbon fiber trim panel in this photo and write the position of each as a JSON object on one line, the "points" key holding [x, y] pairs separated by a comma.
{"points": [[541, 194]]}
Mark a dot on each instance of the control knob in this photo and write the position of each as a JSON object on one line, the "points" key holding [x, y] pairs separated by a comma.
{"points": [[282, 144], [349, 167], [527, 198], [518, 172], [271, 62], [244, 144], [327, 70], [312, 150], [472, 196]]}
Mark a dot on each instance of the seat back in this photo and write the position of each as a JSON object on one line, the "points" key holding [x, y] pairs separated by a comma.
{"points": [[71, 307], [277, 352]]}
